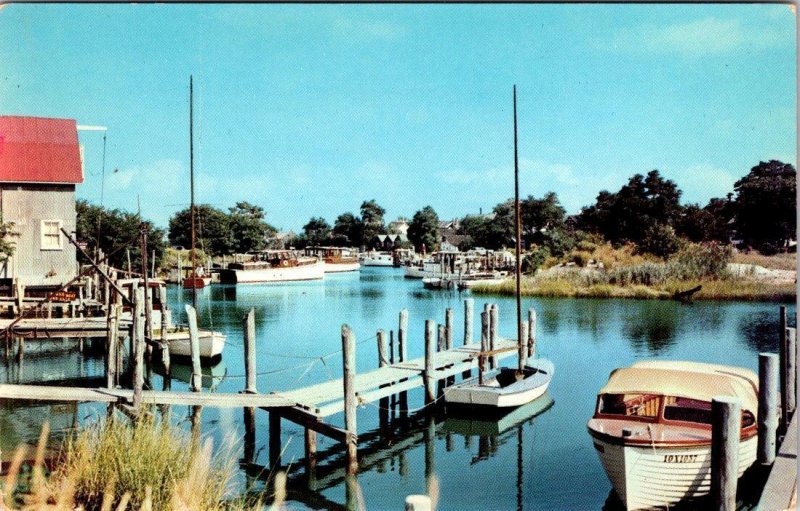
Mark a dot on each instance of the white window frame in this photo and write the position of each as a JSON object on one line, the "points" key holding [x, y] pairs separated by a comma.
{"points": [[43, 235]]}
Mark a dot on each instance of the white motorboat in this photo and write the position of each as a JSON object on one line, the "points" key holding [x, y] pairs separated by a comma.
{"points": [[336, 259], [374, 258], [652, 428], [211, 343], [269, 266], [503, 388]]}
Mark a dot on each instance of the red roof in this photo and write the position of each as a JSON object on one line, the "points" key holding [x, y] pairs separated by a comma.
{"points": [[39, 150]]}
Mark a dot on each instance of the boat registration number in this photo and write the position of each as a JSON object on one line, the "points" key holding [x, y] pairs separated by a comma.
{"points": [[680, 458]]}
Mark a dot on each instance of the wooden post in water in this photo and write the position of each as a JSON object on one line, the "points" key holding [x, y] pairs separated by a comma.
{"points": [[494, 315], [249, 328], [19, 294], [165, 358], [138, 347], [523, 345], [767, 407], [194, 347], [430, 350], [441, 341], [726, 418], [430, 452], [249, 434], [402, 356], [311, 456], [111, 347], [531, 332], [469, 307], [448, 328], [348, 380], [791, 372], [783, 374], [274, 440], [383, 361]]}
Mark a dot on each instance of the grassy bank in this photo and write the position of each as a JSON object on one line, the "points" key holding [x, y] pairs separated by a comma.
{"points": [[118, 465], [711, 289]]}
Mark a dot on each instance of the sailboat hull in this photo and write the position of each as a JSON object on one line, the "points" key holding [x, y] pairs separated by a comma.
{"points": [[495, 392]]}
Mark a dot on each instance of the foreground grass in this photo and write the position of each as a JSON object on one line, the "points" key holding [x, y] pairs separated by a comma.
{"points": [[116, 465], [729, 289]]}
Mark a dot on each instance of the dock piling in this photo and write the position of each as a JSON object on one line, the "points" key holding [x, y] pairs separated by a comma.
{"points": [[531, 332], [767, 407], [402, 355], [274, 440], [448, 328], [165, 358], [441, 341], [469, 307], [137, 340], [782, 350], [494, 318], [311, 455], [111, 347], [249, 328], [348, 380], [523, 348], [430, 350], [791, 372], [725, 430], [383, 361], [194, 347]]}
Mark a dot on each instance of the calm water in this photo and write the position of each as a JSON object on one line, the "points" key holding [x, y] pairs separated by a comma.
{"points": [[535, 459]]}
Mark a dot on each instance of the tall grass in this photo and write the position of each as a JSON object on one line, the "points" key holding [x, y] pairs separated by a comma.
{"points": [[776, 262], [116, 465]]}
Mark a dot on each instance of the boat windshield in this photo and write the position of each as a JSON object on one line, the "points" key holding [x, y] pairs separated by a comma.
{"points": [[688, 410], [630, 405]]}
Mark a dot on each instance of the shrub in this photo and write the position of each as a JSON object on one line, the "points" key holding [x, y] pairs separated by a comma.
{"points": [[534, 259], [701, 261], [660, 240], [581, 258]]}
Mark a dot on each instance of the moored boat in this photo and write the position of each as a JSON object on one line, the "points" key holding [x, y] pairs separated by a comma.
{"points": [[336, 259], [211, 343], [503, 388], [273, 266], [374, 258], [652, 428]]}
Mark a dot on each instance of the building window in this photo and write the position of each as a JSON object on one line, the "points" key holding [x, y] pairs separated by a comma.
{"points": [[51, 235]]}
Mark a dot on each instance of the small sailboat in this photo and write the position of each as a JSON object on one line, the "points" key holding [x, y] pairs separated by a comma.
{"points": [[507, 387]]}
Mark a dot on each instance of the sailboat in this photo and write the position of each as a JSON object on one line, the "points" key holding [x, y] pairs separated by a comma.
{"points": [[193, 281], [507, 387]]}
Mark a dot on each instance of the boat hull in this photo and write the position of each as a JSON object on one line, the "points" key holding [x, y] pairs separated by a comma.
{"points": [[492, 395], [315, 271], [341, 267], [211, 343], [647, 476], [414, 272]]}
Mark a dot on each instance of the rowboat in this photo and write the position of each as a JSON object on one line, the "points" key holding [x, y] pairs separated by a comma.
{"points": [[211, 343], [503, 388], [652, 428]]}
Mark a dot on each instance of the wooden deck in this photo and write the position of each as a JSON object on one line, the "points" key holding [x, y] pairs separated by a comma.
{"points": [[780, 492], [47, 328]]}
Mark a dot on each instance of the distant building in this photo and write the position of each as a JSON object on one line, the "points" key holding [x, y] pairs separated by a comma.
{"points": [[40, 165], [388, 242], [399, 226], [450, 237]]}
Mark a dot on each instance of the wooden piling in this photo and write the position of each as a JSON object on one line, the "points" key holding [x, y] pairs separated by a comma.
{"points": [[430, 453], [165, 357], [194, 347], [767, 407], [494, 319], [311, 454], [348, 380], [523, 345], [430, 350], [441, 340], [784, 422], [249, 434], [138, 348], [531, 332], [383, 361], [19, 294], [469, 307], [111, 347], [274, 440], [148, 303], [726, 416], [249, 328], [448, 328], [402, 336], [791, 372]]}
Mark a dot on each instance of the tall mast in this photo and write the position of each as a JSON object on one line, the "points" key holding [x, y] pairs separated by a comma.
{"points": [[518, 234], [191, 186]]}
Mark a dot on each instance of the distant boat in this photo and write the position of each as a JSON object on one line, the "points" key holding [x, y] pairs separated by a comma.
{"points": [[271, 266], [336, 259], [503, 388], [652, 428], [196, 282], [374, 258]]}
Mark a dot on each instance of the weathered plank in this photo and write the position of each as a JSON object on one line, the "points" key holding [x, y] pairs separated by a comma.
{"points": [[781, 487]]}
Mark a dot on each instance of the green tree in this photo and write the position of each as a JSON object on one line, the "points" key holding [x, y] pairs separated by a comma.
{"points": [[424, 229], [248, 228], [540, 216], [347, 230], [643, 204], [6, 245], [766, 204], [212, 228], [115, 230], [317, 231], [371, 220]]}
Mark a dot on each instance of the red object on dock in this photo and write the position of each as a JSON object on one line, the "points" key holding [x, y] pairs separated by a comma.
{"points": [[194, 282]]}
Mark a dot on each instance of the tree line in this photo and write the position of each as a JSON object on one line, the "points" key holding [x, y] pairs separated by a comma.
{"points": [[760, 212]]}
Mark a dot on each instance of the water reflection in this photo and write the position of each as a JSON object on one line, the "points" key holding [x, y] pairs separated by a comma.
{"points": [[761, 330], [651, 328]]}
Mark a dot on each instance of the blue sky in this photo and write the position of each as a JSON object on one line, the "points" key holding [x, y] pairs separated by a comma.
{"points": [[307, 110]]}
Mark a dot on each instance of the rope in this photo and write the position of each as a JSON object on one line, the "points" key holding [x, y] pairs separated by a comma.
{"points": [[362, 403]]}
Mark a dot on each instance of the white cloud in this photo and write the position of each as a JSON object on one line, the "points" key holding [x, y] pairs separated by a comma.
{"points": [[705, 36]]}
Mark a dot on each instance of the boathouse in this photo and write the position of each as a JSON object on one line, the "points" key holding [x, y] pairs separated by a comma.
{"points": [[40, 165]]}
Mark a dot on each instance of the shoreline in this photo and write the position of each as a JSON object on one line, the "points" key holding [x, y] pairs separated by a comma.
{"points": [[727, 290]]}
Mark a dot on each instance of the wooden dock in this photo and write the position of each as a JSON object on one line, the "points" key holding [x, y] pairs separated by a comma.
{"points": [[48, 328], [780, 491]]}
